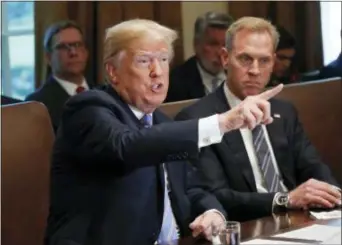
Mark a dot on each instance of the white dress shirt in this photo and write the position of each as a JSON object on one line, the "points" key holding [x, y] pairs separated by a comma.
{"points": [[70, 87], [207, 79], [247, 138]]}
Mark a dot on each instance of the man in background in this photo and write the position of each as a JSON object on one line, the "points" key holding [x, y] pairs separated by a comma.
{"points": [[203, 72], [284, 70], [254, 172], [67, 56]]}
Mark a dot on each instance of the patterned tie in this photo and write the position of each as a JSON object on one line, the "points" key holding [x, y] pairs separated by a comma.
{"points": [[169, 228], [265, 161]]}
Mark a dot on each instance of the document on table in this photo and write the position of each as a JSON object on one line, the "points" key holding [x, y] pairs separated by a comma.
{"points": [[335, 214], [320, 233], [271, 242]]}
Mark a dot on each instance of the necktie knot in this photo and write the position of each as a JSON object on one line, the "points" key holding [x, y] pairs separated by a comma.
{"points": [[80, 89], [146, 120]]}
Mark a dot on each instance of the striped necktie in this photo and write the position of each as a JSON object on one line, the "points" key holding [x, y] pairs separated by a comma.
{"points": [[265, 160], [169, 230]]}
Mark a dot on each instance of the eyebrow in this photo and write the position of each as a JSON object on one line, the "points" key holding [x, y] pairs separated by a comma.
{"points": [[142, 52]]}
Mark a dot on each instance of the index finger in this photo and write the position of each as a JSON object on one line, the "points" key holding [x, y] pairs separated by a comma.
{"points": [[271, 92]]}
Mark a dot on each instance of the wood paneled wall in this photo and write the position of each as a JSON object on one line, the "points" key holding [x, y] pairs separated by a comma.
{"points": [[94, 18]]}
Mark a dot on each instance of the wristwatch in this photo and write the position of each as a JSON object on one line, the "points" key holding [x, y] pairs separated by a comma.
{"points": [[282, 200]]}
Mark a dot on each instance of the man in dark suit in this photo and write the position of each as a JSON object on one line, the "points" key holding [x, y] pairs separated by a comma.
{"points": [[67, 57], [119, 174], [203, 72], [254, 172], [334, 68]]}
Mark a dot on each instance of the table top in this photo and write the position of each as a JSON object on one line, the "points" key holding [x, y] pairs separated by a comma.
{"points": [[267, 226]]}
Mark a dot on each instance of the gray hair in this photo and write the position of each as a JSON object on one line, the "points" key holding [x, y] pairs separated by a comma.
{"points": [[211, 19], [120, 37]]}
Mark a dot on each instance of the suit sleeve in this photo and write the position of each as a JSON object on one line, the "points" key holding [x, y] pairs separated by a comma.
{"points": [[94, 135], [308, 162], [237, 204], [201, 199]]}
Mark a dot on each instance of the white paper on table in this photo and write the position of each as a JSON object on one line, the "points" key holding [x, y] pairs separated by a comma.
{"points": [[335, 214], [265, 241], [313, 232], [336, 239]]}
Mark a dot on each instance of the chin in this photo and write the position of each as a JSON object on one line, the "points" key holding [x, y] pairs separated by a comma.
{"points": [[251, 92]]}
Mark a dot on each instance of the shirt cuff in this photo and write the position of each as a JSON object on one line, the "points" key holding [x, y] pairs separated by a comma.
{"points": [[209, 131], [216, 211]]}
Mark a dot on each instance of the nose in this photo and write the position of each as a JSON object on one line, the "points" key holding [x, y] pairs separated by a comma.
{"points": [[287, 63], [254, 69], [72, 50], [156, 69]]}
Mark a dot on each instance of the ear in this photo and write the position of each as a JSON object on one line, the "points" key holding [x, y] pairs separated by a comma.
{"points": [[48, 57], [111, 73], [224, 55]]}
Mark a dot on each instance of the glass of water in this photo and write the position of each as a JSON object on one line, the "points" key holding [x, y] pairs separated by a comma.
{"points": [[227, 233]]}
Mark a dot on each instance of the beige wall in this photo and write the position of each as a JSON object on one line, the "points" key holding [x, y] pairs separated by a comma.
{"points": [[190, 11]]}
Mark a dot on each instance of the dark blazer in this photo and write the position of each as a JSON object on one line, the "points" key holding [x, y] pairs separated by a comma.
{"points": [[107, 182], [225, 167], [5, 100], [334, 69], [53, 96], [185, 82]]}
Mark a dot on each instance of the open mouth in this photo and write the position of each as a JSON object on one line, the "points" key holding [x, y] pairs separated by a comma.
{"points": [[156, 87]]}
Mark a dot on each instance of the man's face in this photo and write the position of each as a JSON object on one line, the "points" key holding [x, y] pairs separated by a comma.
{"points": [[283, 61], [208, 49], [69, 55], [142, 75], [250, 62]]}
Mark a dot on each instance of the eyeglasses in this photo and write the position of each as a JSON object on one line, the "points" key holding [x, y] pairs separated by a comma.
{"points": [[69, 46], [146, 59], [247, 61]]}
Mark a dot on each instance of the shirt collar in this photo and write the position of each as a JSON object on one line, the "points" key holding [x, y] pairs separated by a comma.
{"points": [[139, 114], [70, 87], [232, 99]]}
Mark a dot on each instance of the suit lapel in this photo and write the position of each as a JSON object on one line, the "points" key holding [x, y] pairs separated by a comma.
{"points": [[233, 140]]}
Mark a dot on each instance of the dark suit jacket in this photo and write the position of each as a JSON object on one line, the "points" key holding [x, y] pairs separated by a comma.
{"points": [[107, 183], [225, 167], [53, 96], [334, 69], [185, 82], [5, 100]]}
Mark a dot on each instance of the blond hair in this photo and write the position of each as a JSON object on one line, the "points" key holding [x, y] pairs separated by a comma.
{"points": [[252, 24], [120, 37]]}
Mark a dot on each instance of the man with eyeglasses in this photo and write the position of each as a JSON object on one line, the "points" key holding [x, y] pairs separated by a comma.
{"points": [[67, 56], [270, 168]]}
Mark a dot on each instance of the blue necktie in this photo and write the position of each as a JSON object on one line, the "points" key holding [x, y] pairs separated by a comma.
{"points": [[169, 228]]}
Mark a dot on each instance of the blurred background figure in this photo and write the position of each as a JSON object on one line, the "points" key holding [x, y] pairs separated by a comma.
{"points": [[333, 69], [203, 72], [285, 70], [67, 56]]}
